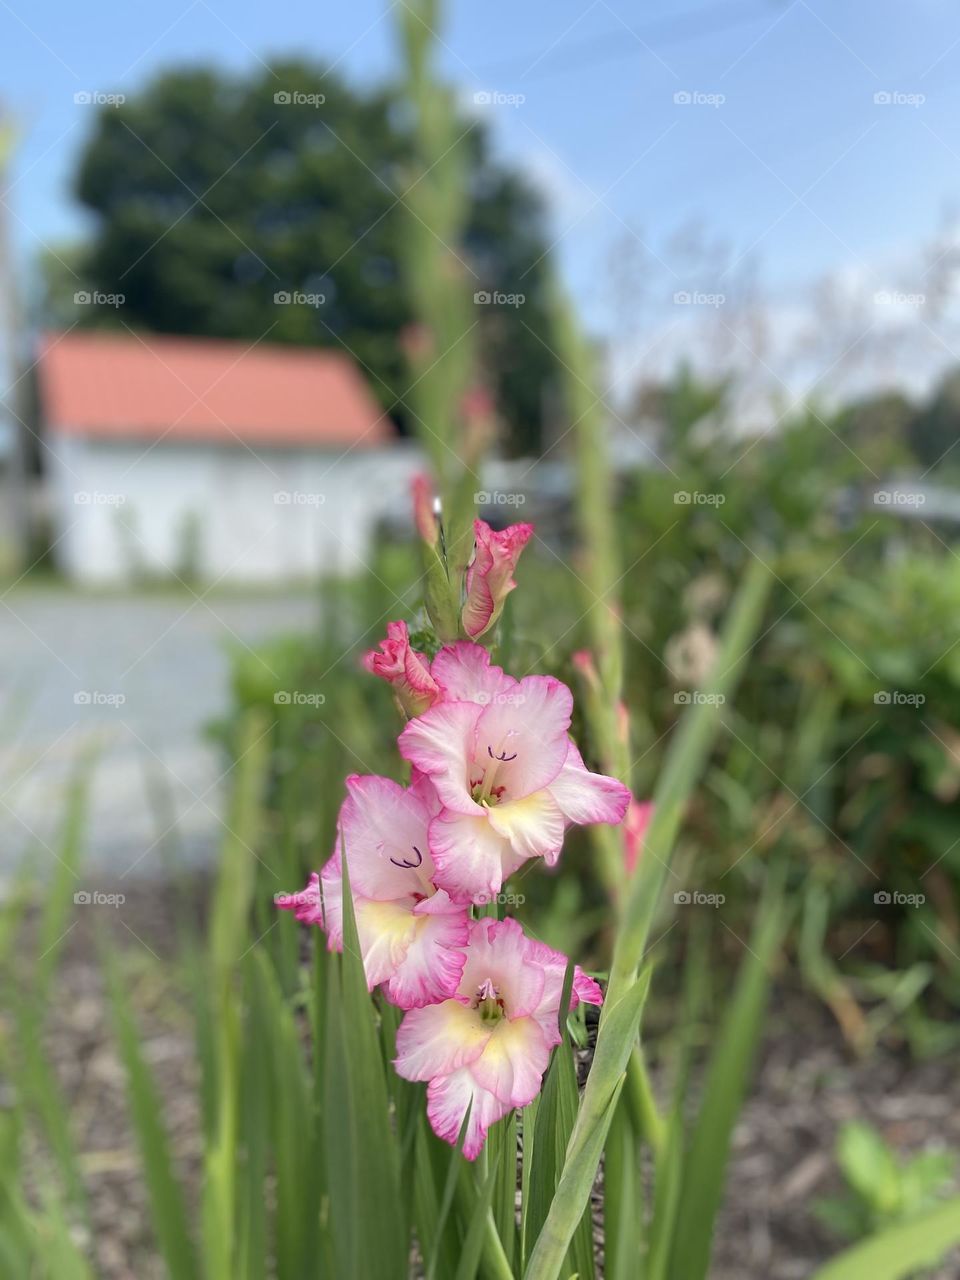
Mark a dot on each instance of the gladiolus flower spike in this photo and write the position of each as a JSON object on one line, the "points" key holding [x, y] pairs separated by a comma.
{"points": [[496, 782]]}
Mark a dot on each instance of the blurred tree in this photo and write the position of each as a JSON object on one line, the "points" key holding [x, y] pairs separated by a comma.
{"points": [[875, 429], [935, 430], [215, 196]]}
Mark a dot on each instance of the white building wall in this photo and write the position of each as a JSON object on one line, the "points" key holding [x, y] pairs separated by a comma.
{"points": [[123, 509]]}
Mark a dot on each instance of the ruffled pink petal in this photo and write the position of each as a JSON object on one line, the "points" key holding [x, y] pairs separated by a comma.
{"points": [[465, 674], [433, 965], [554, 967], [513, 1061], [587, 797], [331, 886], [386, 931], [470, 859], [306, 905], [448, 1098], [438, 1039], [586, 988], [404, 668], [499, 952], [384, 831], [525, 740], [441, 744]]}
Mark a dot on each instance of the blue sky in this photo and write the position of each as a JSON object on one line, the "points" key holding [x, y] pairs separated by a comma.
{"points": [[797, 166]]}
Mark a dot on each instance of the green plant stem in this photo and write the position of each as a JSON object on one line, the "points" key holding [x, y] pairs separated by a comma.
{"points": [[643, 1103], [493, 1251], [685, 761]]}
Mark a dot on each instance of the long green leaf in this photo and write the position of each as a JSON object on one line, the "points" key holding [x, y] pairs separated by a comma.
{"points": [[901, 1251], [685, 761], [727, 1080], [370, 1235]]}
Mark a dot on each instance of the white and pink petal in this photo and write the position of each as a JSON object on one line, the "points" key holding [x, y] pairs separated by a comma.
{"points": [[448, 1098], [513, 1061], [431, 969], [533, 826], [465, 674], [499, 952], [524, 739], [586, 797], [438, 1039], [383, 827], [442, 744], [469, 857]]}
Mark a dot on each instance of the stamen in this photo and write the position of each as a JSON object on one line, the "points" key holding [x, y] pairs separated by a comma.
{"points": [[405, 864]]}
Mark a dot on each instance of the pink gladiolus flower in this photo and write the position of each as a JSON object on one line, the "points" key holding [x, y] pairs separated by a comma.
{"points": [[508, 776], [404, 668], [411, 933], [635, 830], [490, 574], [488, 1046]]}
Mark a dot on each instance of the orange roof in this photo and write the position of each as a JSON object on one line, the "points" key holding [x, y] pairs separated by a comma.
{"points": [[118, 386]]}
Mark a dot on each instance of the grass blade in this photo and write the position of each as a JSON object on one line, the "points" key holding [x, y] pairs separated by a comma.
{"points": [[167, 1207]]}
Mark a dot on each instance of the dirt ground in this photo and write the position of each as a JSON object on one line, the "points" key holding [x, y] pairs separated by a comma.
{"points": [[807, 1083]]}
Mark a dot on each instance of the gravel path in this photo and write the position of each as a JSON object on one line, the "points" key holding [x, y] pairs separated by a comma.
{"points": [[138, 677]]}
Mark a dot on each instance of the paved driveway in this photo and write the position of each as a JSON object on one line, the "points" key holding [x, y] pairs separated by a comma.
{"points": [[140, 675]]}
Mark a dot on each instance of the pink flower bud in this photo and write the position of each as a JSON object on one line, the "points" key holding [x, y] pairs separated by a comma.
{"points": [[490, 574], [586, 668], [424, 511], [404, 668], [635, 827]]}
